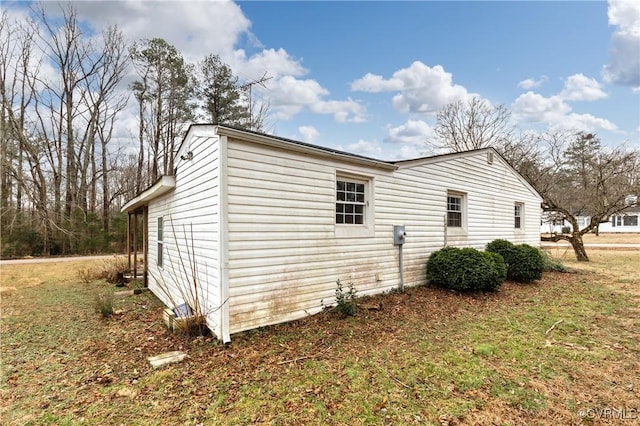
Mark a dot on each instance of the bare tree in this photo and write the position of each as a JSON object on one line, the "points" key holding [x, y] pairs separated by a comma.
{"points": [[577, 176], [472, 124], [56, 124], [572, 171]]}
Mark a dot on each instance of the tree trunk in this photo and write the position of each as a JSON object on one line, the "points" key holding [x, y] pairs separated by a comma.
{"points": [[578, 247]]}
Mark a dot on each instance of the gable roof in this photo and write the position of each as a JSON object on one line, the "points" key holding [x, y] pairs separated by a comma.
{"points": [[163, 186]]}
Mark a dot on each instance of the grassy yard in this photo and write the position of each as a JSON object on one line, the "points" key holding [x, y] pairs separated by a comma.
{"points": [[556, 352]]}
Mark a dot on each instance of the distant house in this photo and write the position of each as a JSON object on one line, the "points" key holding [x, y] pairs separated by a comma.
{"points": [[273, 223], [552, 223], [627, 221]]}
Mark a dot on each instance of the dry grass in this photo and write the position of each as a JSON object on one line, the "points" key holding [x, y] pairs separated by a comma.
{"points": [[529, 354], [612, 238]]}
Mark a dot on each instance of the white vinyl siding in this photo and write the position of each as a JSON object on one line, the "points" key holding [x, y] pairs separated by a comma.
{"points": [[285, 254], [190, 215], [259, 215]]}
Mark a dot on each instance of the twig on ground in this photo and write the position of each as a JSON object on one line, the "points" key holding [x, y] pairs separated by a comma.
{"points": [[553, 326], [399, 382], [300, 358]]}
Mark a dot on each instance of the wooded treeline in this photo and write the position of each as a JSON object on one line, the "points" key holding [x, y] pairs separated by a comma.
{"points": [[68, 162], [67, 165]]}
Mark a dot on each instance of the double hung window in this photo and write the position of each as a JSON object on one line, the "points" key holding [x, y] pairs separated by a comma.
{"points": [[350, 202]]}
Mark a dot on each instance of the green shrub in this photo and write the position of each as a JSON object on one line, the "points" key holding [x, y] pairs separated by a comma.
{"points": [[466, 269], [504, 248], [524, 262], [346, 300]]}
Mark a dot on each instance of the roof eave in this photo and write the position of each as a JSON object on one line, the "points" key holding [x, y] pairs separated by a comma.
{"points": [[290, 145], [161, 187]]}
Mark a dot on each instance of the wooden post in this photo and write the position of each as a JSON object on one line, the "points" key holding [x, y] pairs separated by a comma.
{"points": [[135, 245], [129, 241]]}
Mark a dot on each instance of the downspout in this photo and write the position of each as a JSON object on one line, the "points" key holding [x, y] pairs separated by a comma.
{"points": [[401, 268], [399, 236]]}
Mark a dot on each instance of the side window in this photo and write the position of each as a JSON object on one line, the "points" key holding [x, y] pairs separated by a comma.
{"points": [[350, 202], [160, 240], [517, 216], [630, 221], [456, 205]]}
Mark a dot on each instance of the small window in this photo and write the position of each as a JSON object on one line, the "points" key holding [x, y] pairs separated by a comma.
{"points": [[350, 202], [517, 215], [160, 240], [455, 206], [630, 221]]}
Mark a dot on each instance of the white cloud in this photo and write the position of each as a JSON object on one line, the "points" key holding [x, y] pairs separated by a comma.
{"points": [[422, 89], [533, 108], [407, 152], [624, 66], [343, 111], [275, 62], [585, 122], [531, 83], [578, 87], [362, 147], [289, 96], [413, 132], [194, 28], [375, 84], [309, 133]]}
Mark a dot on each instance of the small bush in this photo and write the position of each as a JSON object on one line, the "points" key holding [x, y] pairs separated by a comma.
{"points": [[345, 300], [111, 270], [466, 269], [504, 248], [103, 304], [566, 230], [526, 265], [114, 268], [89, 274], [524, 262]]}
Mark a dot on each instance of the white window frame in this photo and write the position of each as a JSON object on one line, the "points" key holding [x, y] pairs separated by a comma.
{"points": [[366, 228], [518, 216], [463, 212], [160, 229]]}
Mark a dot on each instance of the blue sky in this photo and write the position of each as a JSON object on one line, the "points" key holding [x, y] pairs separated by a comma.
{"points": [[369, 77]]}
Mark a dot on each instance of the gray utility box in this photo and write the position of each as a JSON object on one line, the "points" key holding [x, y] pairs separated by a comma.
{"points": [[399, 235]]}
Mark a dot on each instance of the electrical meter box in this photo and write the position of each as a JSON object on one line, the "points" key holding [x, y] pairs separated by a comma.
{"points": [[399, 235]]}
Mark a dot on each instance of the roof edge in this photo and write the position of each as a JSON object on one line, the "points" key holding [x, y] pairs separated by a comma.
{"points": [[302, 147], [160, 187]]}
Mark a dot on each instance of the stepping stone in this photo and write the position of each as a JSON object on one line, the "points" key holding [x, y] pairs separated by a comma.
{"points": [[166, 358]]}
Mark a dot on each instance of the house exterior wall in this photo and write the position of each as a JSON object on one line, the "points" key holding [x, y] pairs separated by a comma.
{"points": [[285, 250], [191, 240], [624, 223]]}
